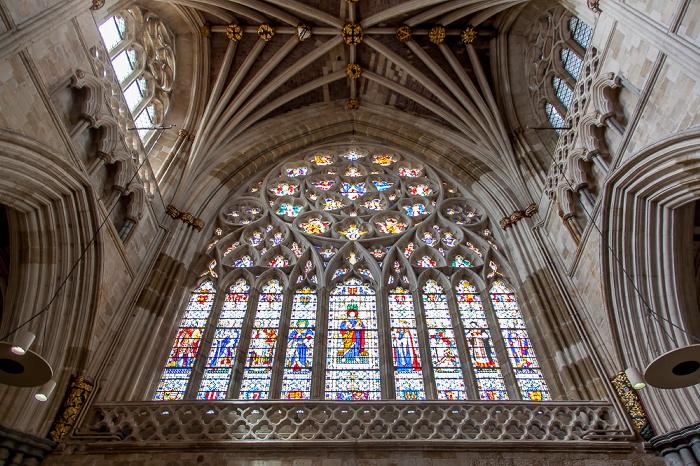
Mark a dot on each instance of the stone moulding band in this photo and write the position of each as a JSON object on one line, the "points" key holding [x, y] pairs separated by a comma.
{"points": [[570, 426]]}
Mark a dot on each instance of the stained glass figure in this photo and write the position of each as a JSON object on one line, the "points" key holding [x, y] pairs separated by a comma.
{"points": [[308, 267], [449, 239], [481, 350], [409, 172], [421, 190], [391, 225], [408, 374], [340, 272], [332, 204], [279, 261], [352, 371], [487, 232], [244, 261], [429, 239], [382, 185], [378, 253], [384, 160], [222, 355], [298, 171], [327, 253], [397, 267], [353, 155], [277, 238], [366, 273], [255, 238], [324, 185], [296, 250], [373, 204], [322, 160], [352, 258], [353, 172], [315, 226], [415, 210], [352, 190], [443, 346], [284, 189], [460, 261], [521, 354], [408, 250], [427, 261], [289, 209], [494, 270], [263, 341], [178, 369], [352, 232], [218, 232], [474, 248], [298, 361], [312, 196]]}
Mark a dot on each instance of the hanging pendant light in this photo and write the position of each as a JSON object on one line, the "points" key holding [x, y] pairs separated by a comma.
{"points": [[45, 391], [679, 368], [23, 342], [26, 370]]}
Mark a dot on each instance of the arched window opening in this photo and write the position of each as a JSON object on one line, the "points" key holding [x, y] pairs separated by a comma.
{"points": [[555, 119], [217, 374], [263, 342], [179, 366], [353, 345], [581, 32], [408, 374], [443, 346], [298, 362], [572, 62], [480, 344], [295, 222], [127, 37], [520, 352], [564, 92]]}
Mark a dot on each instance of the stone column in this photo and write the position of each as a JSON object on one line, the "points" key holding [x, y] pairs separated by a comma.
{"points": [[680, 447]]}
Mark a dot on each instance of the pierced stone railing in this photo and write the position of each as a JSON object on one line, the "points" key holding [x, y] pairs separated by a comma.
{"points": [[569, 425]]}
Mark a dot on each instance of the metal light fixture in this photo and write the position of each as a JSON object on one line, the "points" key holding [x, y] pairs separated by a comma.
{"points": [[45, 391], [676, 369], [22, 344], [26, 370], [635, 378]]}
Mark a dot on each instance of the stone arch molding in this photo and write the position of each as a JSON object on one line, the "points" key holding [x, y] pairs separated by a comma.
{"points": [[647, 192], [53, 216]]}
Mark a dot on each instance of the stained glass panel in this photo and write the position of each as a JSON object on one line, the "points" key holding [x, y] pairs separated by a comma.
{"points": [[352, 190], [384, 160], [283, 189], [353, 347], [353, 232], [315, 226], [460, 261], [481, 350], [382, 185], [298, 171], [321, 160], [222, 356], [415, 210], [373, 204], [409, 172], [391, 226], [581, 32], [178, 369], [353, 172], [298, 362], [324, 185], [521, 354], [288, 209], [332, 204], [420, 190], [427, 261], [408, 374], [263, 341], [443, 346]]}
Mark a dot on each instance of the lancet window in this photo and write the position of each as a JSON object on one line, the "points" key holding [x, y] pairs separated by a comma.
{"points": [[398, 291], [142, 51]]}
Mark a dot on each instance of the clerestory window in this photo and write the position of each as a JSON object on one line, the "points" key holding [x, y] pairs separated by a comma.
{"points": [[353, 274]]}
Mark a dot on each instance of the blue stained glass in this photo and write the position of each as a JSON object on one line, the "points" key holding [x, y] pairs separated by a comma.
{"points": [[572, 62], [555, 119], [222, 356], [443, 346], [263, 341], [481, 350], [581, 32], [382, 185], [415, 210], [405, 349], [352, 190], [353, 347], [177, 370], [298, 363], [521, 354], [563, 90]]}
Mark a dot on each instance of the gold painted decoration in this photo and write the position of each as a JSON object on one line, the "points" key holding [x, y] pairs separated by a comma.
{"points": [[265, 31], [172, 211], [351, 1], [633, 405], [234, 32], [190, 137], [182, 133], [353, 70], [205, 30], [353, 104], [505, 223], [468, 35], [437, 35], [403, 33], [78, 394], [531, 210], [303, 33], [97, 4], [353, 34]]}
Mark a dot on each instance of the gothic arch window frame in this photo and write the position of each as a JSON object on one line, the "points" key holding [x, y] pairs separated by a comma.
{"points": [[452, 224], [152, 73]]}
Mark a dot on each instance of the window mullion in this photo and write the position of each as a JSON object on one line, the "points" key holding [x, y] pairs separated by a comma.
{"points": [[238, 368], [281, 349], [424, 344], [141, 106], [386, 366], [318, 380], [205, 346], [133, 76], [122, 45], [501, 351]]}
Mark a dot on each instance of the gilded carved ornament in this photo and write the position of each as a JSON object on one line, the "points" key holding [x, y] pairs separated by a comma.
{"points": [[403, 33], [468, 35], [234, 32], [517, 215], [265, 31], [205, 30], [78, 394], [353, 33], [353, 104], [353, 71], [303, 33], [437, 35], [633, 405]]}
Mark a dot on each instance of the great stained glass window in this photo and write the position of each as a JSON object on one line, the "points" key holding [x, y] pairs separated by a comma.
{"points": [[178, 369], [298, 362], [520, 352], [369, 233], [352, 371], [408, 374], [443, 346], [263, 341], [481, 350], [222, 356]]}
